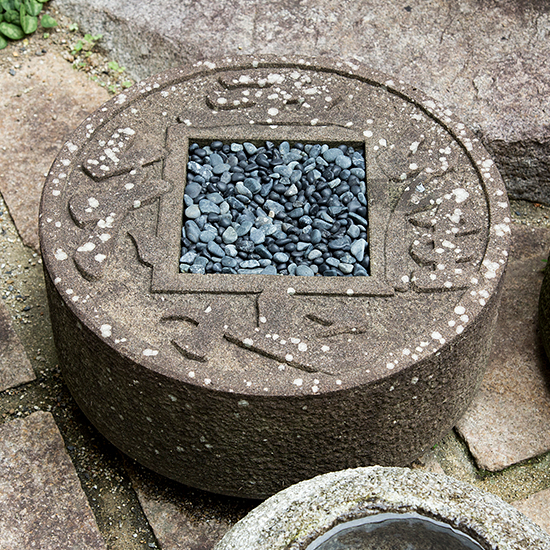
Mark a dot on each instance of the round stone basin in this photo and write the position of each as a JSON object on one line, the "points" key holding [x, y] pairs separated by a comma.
{"points": [[384, 509], [245, 383]]}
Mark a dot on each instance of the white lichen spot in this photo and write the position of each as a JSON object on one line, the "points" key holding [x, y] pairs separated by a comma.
{"points": [[367, 133], [390, 366], [273, 111], [460, 195], [295, 340], [104, 237], [298, 382], [314, 121], [451, 323], [172, 397], [99, 257], [302, 346], [87, 247], [414, 380], [207, 381], [459, 329], [57, 280], [406, 351], [325, 348], [290, 291], [405, 279], [129, 186], [436, 335], [243, 403], [56, 193], [289, 357], [150, 352], [191, 374], [105, 330], [248, 342], [501, 229], [315, 389], [349, 291], [137, 204], [60, 255]]}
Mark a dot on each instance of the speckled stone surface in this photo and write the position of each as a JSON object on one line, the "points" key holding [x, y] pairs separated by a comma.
{"points": [[509, 419], [295, 517], [42, 504], [15, 367], [244, 384]]}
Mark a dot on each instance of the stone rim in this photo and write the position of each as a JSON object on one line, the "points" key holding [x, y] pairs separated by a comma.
{"points": [[295, 517]]}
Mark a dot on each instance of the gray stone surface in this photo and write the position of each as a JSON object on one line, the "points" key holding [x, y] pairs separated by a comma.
{"points": [[42, 505], [15, 367], [250, 378], [537, 508], [293, 518], [485, 60], [183, 518], [509, 419], [44, 101]]}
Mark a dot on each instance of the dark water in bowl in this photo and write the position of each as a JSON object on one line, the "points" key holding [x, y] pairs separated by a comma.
{"points": [[394, 532]]}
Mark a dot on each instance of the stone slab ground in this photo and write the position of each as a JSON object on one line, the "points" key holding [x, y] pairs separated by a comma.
{"points": [[509, 420], [487, 61], [42, 503], [168, 515]]}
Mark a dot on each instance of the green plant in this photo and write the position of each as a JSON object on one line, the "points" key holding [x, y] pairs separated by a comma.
{"points": [[86, 44], [115, 67], [20, 17]]}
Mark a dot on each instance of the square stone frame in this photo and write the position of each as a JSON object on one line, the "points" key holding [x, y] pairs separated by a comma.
{"points": [[166, 276]]}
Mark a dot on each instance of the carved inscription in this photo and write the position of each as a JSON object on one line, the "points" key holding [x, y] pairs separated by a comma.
{"points": [[120, 185]]}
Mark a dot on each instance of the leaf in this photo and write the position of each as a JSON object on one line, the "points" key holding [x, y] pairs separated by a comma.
{"points": [[8, 5], [11, 31], [3, 42], [33, 7], [12, 16], [28, 23], [48, 22]]}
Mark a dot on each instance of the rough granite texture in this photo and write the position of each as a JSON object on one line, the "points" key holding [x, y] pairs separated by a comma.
{"points": [[244, 384], [295, 517], [488, 61], [15, 367], [509, 419], [42, 505], [537, 508], [34, 123]]}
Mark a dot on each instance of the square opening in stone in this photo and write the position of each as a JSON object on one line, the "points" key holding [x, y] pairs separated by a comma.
{"points": [[275, 209]]}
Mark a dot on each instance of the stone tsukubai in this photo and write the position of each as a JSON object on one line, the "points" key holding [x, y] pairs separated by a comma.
{"points": [[245, 384]]}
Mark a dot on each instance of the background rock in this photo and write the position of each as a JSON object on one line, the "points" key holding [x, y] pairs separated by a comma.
{"points": [[487, 61]]}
